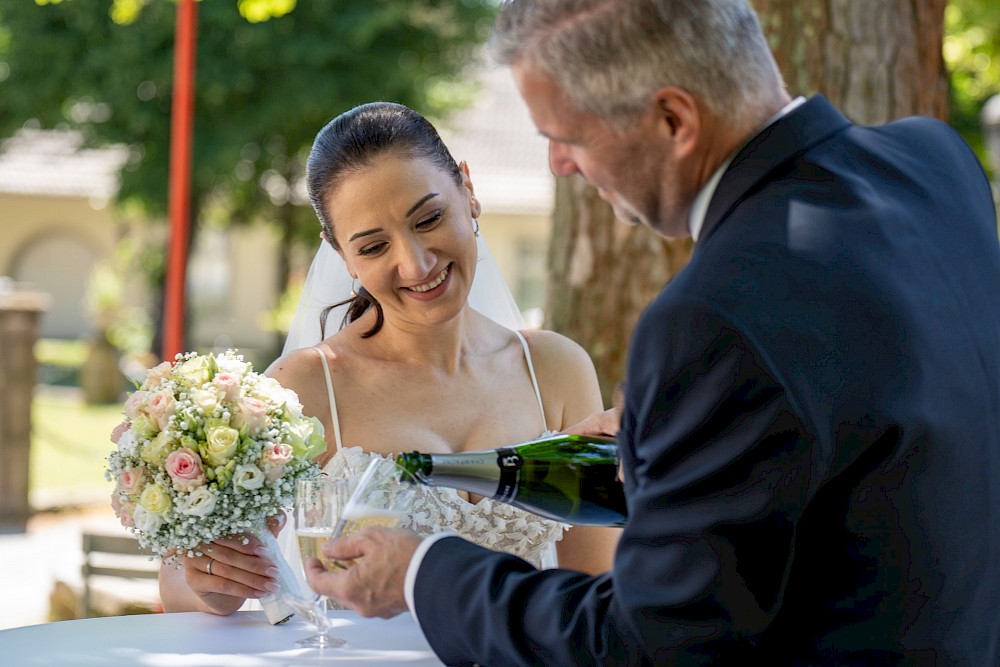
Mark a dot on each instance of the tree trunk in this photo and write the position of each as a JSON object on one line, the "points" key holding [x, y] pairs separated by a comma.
{"points": [[602, 275], [876, 60]]}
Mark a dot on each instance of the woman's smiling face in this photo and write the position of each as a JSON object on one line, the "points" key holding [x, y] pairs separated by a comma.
{"points": [[404, 229]]}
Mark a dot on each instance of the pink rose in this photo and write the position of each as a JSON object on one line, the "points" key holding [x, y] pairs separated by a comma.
{"points": [[251, 414], [184, 467], [119, 431], [155, 375], [160, 406], [123, 511], [228, 384], [133, 405], [274, 458], [129, 480]]}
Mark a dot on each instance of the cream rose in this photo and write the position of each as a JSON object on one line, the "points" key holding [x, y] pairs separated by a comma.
{"points": [[193, 371], [155, 499], [155, 451], [184, 467], [220, 443], [206, 399]]}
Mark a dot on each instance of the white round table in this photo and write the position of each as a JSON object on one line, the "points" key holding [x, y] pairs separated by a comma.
{"points": [[195, 639]]}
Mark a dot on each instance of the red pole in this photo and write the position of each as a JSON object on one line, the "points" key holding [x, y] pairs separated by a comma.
{"points": [[181, 130]]}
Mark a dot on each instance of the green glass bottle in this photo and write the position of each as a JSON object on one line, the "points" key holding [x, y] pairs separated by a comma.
{"points": [[570, 478]]}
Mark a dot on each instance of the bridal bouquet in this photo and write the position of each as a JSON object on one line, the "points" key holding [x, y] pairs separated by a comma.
{"points": [[208, 448]]}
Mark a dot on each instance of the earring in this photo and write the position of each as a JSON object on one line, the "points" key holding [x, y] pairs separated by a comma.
{"points": [[475, 226]]}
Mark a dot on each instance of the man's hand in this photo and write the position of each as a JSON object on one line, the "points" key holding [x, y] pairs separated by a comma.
{"points": [[601, 423], [373, 583]]}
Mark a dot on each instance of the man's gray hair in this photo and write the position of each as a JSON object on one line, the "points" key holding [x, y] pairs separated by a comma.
{"points": [[609, 56]]}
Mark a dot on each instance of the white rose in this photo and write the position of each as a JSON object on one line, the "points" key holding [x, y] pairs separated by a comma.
{"points": [[248, 477], [271, 390], [206, 399], [230, 364], [199, 502], [146, 521]]}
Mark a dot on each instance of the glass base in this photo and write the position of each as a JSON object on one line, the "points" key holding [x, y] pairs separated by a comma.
{"points": [[321, 641]]}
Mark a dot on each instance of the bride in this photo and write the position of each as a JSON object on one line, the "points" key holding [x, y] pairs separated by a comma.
{"points": [[417, 364]]}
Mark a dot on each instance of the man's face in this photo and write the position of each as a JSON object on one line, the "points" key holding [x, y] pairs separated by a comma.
{"points": [[634, 169]]}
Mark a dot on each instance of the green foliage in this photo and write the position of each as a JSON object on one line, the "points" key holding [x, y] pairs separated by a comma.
{"points": [[972, 54], [268, 78]]}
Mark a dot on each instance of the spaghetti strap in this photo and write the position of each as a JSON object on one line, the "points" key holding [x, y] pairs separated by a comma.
{"points": [[334, 417], [534, 379]]}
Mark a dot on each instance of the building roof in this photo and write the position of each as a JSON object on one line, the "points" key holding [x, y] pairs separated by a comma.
{"points": [[508, 159], [54, 162]]}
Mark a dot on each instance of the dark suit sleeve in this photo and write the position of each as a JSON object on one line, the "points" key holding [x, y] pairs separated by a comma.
{"points": [[715, 464]]}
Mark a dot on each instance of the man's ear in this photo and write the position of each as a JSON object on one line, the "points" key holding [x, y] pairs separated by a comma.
{"points": [[678, 118]]}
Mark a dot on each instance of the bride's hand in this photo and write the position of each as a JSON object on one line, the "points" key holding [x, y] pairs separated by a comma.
{"points": [[229, 572]]}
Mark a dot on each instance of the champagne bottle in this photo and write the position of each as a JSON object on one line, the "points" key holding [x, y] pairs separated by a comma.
{"points": [[570, 478]]}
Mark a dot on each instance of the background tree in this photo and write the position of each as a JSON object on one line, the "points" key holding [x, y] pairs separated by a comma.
{"points": [[263, 87], [875, 60]]}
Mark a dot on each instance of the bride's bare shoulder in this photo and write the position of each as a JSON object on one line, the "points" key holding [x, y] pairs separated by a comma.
{"points": [[549, 347], [294, 364]]}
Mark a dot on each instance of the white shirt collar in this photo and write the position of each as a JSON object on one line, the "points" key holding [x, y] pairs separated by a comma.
{"points": [[699, 208]]}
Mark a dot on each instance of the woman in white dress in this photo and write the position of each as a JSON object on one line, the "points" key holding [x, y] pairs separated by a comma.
{"points": [[415, 366]]}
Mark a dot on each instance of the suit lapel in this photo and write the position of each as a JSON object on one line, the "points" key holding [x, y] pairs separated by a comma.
{"points": [[800, 130]]}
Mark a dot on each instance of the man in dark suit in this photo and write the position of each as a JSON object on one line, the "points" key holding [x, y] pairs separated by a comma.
{"points": [[811, 433]]}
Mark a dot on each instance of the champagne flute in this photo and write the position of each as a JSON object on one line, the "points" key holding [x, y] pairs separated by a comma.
{"points": [[378, 499], [319, 503]]}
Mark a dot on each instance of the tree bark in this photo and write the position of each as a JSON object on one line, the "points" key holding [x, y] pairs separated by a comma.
{"points": [[876, 60], [602, 274]]}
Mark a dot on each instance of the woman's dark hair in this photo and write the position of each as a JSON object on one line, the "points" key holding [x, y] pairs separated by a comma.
{"points": [[349, 144]]}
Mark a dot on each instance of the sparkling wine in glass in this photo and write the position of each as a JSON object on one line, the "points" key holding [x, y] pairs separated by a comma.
{"points": [[319, 504], [378, 499]]}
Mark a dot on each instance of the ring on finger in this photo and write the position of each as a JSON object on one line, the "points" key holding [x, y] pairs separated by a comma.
{"points": [[209, 568]]}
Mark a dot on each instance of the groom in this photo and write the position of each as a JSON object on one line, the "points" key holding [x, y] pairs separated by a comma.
{"points": [[811, 433]]}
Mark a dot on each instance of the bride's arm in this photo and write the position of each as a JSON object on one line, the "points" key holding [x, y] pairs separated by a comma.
{"points": [[570, 392]]}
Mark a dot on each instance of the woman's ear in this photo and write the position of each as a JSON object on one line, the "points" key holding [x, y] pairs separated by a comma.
{"points": [[475, 208]]}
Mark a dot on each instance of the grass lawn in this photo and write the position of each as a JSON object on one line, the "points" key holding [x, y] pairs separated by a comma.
{"points": [[69, 444]]}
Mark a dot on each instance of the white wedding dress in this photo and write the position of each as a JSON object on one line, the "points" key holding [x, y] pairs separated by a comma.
{"points": [[489, 523]]}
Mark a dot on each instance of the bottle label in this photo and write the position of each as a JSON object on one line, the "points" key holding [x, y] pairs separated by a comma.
{"points": [[509, 462]]}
